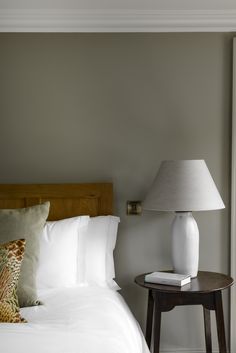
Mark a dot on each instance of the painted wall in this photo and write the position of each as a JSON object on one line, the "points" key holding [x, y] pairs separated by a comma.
{"points": [[111, 107], [119, 4]]}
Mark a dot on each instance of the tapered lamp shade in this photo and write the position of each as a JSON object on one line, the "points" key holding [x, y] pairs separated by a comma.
{"points": [[183, 185]]}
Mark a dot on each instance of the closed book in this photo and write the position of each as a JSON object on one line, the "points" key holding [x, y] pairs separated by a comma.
{"points": [[168, 278]]}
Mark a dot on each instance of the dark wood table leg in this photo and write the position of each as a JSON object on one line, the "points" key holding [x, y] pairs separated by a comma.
{"points": [[220, 322], [157, 326], [149, 318], [207, 326]]}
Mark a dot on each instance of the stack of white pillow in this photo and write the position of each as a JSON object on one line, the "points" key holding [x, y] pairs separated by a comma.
{"points": [[78, 251]]}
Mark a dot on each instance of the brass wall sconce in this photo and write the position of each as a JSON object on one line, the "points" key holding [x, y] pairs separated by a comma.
{"points": [[134, 208]]}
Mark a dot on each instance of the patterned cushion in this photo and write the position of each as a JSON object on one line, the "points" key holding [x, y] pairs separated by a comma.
{"points": [[25, 223], [11, 256]]}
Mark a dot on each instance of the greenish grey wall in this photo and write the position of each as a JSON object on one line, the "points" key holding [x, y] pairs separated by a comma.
{"points": [[111, 107]]}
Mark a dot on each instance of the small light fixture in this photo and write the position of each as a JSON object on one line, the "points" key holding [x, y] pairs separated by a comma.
{"points": [[134, 208], [184, 186]]}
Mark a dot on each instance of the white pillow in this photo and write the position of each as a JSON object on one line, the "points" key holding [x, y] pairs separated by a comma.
{"points": [[95, 256], [57, 266]]}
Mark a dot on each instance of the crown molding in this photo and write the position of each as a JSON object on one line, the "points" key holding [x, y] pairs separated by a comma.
{"points": [[117, 21]]}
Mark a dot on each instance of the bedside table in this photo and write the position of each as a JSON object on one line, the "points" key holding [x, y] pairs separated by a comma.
{"points": [[203, 290]]}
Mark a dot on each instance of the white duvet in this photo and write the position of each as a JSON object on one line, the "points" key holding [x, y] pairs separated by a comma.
{"points": [[78, 320]]}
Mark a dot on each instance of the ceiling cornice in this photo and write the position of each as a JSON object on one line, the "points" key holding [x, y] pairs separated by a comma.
{"points": [[117, 21]]}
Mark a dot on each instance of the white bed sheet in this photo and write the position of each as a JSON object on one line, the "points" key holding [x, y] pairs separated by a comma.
{"points": [[75, 320]]}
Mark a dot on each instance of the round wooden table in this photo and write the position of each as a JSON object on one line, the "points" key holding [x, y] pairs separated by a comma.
{"points": [[203, 290]]}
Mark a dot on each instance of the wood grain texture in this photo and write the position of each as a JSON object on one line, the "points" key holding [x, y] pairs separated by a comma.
{"points": [[67, 200]]}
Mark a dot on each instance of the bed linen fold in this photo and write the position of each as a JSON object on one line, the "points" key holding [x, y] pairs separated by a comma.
{"points": [[75, 320]]}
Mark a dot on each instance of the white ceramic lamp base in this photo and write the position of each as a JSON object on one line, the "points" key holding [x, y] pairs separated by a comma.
{"points": [[185, 244]]}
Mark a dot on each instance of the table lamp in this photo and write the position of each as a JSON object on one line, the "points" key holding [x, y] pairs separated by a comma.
{"points": [[184, 186]]}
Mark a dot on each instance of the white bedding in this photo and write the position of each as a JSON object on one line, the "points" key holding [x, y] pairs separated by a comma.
{"points": [[78, 320]]}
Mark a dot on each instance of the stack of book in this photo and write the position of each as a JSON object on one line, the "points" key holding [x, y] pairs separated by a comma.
{"points": [[168, 278]]}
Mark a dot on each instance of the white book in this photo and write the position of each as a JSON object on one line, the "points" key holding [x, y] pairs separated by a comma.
{"points": [[168, 278]]}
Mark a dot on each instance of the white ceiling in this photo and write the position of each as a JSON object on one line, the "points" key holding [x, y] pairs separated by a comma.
{"points": [[117, 15]]}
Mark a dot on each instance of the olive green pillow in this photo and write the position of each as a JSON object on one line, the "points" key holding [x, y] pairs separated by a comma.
{"points": [[25, 223], [11, 256]]}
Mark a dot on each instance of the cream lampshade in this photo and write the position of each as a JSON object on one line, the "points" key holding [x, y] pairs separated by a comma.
{"points": [[184, 186]]}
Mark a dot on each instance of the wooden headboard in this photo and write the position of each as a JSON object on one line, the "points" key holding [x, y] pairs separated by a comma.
{"points": [[67, 200]]}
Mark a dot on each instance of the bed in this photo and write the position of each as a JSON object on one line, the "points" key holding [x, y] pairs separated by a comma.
{"points": [[81, 318]]}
